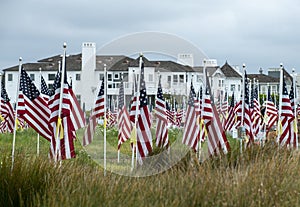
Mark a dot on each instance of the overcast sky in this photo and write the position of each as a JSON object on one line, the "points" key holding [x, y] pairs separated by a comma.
{"points": [[257, 33]]}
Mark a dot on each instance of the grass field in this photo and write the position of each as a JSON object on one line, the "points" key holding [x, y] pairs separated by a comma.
{"points": [[257, 177]]}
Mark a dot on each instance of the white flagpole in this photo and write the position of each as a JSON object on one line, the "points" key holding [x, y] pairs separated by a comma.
{"points": [[104, 135], [243, 107], [38, 135], [16, 116], [138, 104], [60, 99], [266, 117], [202, 101], [133, 146], [122, 82], [295, 105], [0, 92], [280, 101], [119, 114]]}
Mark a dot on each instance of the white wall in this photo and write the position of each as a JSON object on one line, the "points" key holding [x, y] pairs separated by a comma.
{"points": [[89, 80]]}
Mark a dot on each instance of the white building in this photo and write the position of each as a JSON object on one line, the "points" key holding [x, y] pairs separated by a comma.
{"points": [[87, 69]]}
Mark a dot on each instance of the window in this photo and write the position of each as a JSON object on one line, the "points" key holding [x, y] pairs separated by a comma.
{"points": [[175, 78], [101, 76], [150, 78], [78, 77], [232, 87], [117, 76], [31, 76], [115, 85], [125, 77], [78, 97], [127, 85], [263, 89], [181, 78], [109, 86], [51, 77], [274, 89], [10, 77], [198, 78], [221, 83], [109, 77], [239, 87], [169, 78], [50, 86]]}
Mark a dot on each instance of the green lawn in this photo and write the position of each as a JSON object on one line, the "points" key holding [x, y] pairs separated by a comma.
{"points": [[258, 177]]}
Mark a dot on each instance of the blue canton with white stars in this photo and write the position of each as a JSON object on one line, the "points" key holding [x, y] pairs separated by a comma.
{"points": [[27, 87]]}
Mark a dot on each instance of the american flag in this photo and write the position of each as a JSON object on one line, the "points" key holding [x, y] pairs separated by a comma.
{"points": [[133, 104], [287, 137], [124, 125], [96, 113], [144, 137], [111, 118], [238, 114], [32, 107], [7, 112], [100, 103], [191, 133], [45, 92], [206, 113], [224, 109], [77, 114], [271, 112], [292, 97], [219, 104], [294, 129], [255, 111], [231, 115], [199, 108], [198, 102], [170, 114], [247, 113], [179, 117], [162, 139], [217, 141], [63, 136]]}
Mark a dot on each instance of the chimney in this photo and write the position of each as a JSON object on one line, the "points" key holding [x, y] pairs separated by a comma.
{"points": [[260, 71], [88, 56]]}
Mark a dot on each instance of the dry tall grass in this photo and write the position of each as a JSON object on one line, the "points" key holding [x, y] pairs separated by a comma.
{"points": [[259, 177]]}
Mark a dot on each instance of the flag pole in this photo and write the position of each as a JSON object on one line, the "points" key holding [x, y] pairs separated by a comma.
{"points": [[295, 106], [280, 101], [104, 125], [138, 103], [202, 101], [119, 110], [16, 116], [38, 135], [243, 107], [0, 93], [60, 100], [133, 146]]}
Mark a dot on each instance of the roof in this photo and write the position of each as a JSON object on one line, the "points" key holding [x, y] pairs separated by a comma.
{"points": [[109, 60], [230, 71], [162, 66], [165, 66], [263, 78], [122, 64], [210, 70], [73, 63], [147, 63]]}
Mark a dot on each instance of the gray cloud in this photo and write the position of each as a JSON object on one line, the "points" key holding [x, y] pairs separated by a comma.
{"points": [[259, 33]]}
